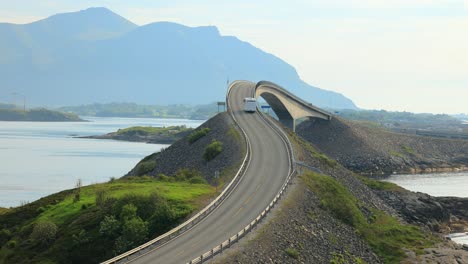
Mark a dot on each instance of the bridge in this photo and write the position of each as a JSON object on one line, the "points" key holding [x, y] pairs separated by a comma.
{"points": [[286, 105], [262, 179]]}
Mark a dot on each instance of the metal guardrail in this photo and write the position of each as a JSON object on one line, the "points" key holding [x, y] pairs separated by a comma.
{"points": [[233, 239], [294, 97], [175, 232]]}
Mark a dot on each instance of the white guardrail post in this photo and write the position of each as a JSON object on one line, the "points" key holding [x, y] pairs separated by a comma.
{"points": [[262, 215], [175, 232]]}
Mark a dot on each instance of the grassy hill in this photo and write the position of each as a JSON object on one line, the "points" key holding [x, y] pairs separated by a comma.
{"points": [[93, 223], [39, 115]]}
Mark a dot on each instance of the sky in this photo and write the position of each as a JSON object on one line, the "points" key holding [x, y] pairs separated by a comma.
{"points": [[398, 55]]}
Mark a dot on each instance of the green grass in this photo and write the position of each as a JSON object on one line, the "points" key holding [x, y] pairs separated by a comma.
{"points": [[153, 130], [177, 192], [234, 134], [324, 159], [196, 135], [408, 150], [383, 233], [293, 253], [161, 205], [379, 185], [397, 154]]}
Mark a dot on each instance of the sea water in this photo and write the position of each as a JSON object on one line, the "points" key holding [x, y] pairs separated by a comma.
{"points": [[41, 158]]}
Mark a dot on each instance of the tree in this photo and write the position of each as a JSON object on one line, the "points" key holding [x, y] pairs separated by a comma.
{"points": [[78, 186], [44, 232], [135, 230], [109, 227], [128, 212]]}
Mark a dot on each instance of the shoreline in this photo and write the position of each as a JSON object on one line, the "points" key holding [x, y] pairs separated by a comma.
{"points": [[414, 171]]}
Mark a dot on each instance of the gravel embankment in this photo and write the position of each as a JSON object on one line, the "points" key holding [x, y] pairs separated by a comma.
{"points": [[183, 155], [366, 149], [300, 226]]}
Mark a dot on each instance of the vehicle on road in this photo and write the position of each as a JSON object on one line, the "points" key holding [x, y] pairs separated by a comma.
{"points": [[250, 104]]}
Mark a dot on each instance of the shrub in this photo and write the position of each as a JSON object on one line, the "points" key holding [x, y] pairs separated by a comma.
{"points": [[293, 253], [145, 167], [40, 210], [196, 135], [44, 232], [109, 227], [12, 244], [212, 150], [197, 180], [186, 174]]}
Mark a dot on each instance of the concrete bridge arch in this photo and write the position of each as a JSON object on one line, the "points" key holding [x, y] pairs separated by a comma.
{"points": [[287, 106]]}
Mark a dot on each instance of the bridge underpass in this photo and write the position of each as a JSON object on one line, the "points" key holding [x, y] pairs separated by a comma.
{"points": [[288, 107]]}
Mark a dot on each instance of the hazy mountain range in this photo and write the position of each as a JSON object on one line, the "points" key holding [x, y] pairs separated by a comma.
{"points": [[95, 55]]}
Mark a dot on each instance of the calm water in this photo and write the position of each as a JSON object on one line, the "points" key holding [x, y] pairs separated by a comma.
{"points": [[436, 184], [39, 158]]}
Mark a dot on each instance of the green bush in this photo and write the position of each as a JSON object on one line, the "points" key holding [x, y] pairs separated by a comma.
{"points": [[109, 227], [11, 244], [145, 167], [197, 180], [44, 232], [212, 150], [293, 253], [196, 135]]}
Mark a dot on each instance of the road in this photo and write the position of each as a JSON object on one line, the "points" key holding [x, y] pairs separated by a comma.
{"points": [[267, 171]]}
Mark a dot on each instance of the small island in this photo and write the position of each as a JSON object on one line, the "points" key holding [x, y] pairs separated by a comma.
{"points": [[37, 115], [154, 135]]}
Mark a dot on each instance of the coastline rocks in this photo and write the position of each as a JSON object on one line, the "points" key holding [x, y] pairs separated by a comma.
{"points": [[440, 214]]}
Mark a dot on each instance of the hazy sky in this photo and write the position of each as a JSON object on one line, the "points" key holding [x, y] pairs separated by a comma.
{"points": [[405, 55]]}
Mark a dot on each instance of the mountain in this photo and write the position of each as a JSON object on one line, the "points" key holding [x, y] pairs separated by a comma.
{"points": [[95, 55]]}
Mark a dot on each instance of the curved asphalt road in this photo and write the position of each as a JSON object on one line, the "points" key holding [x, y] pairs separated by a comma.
{"points": [[268, 169]]}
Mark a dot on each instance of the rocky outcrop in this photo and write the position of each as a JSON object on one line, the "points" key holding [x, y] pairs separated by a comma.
{"points": [[364, 148], [440, 214]]}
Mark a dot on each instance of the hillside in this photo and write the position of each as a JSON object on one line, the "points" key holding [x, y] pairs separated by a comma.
{"points": [[37, 115], [94, 223], [188, 153], [365, 148], [331, 215], [97, 56]]}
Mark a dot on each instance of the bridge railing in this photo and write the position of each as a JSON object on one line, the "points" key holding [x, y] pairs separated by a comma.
{"points": [[231, 240], [175, 232], [292, 96]]}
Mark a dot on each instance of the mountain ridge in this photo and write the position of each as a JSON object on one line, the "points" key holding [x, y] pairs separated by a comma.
{"points": [[103, 57]]}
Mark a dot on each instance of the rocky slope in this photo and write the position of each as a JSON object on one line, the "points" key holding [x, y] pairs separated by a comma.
{"points": [[185, 155], [302, 230], [364, 148]]}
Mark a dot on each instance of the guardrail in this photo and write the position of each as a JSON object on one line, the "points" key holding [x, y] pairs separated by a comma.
{"points": [[233, 239], [187, 225]]}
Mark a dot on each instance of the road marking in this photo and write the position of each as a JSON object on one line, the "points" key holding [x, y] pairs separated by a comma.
{"points": [[238, 211]]}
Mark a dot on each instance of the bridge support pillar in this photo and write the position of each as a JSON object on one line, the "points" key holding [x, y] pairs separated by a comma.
{"points": [[289, 122]]}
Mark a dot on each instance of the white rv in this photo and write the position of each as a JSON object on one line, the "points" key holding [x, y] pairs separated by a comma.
{"points": [[250, 104]]}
